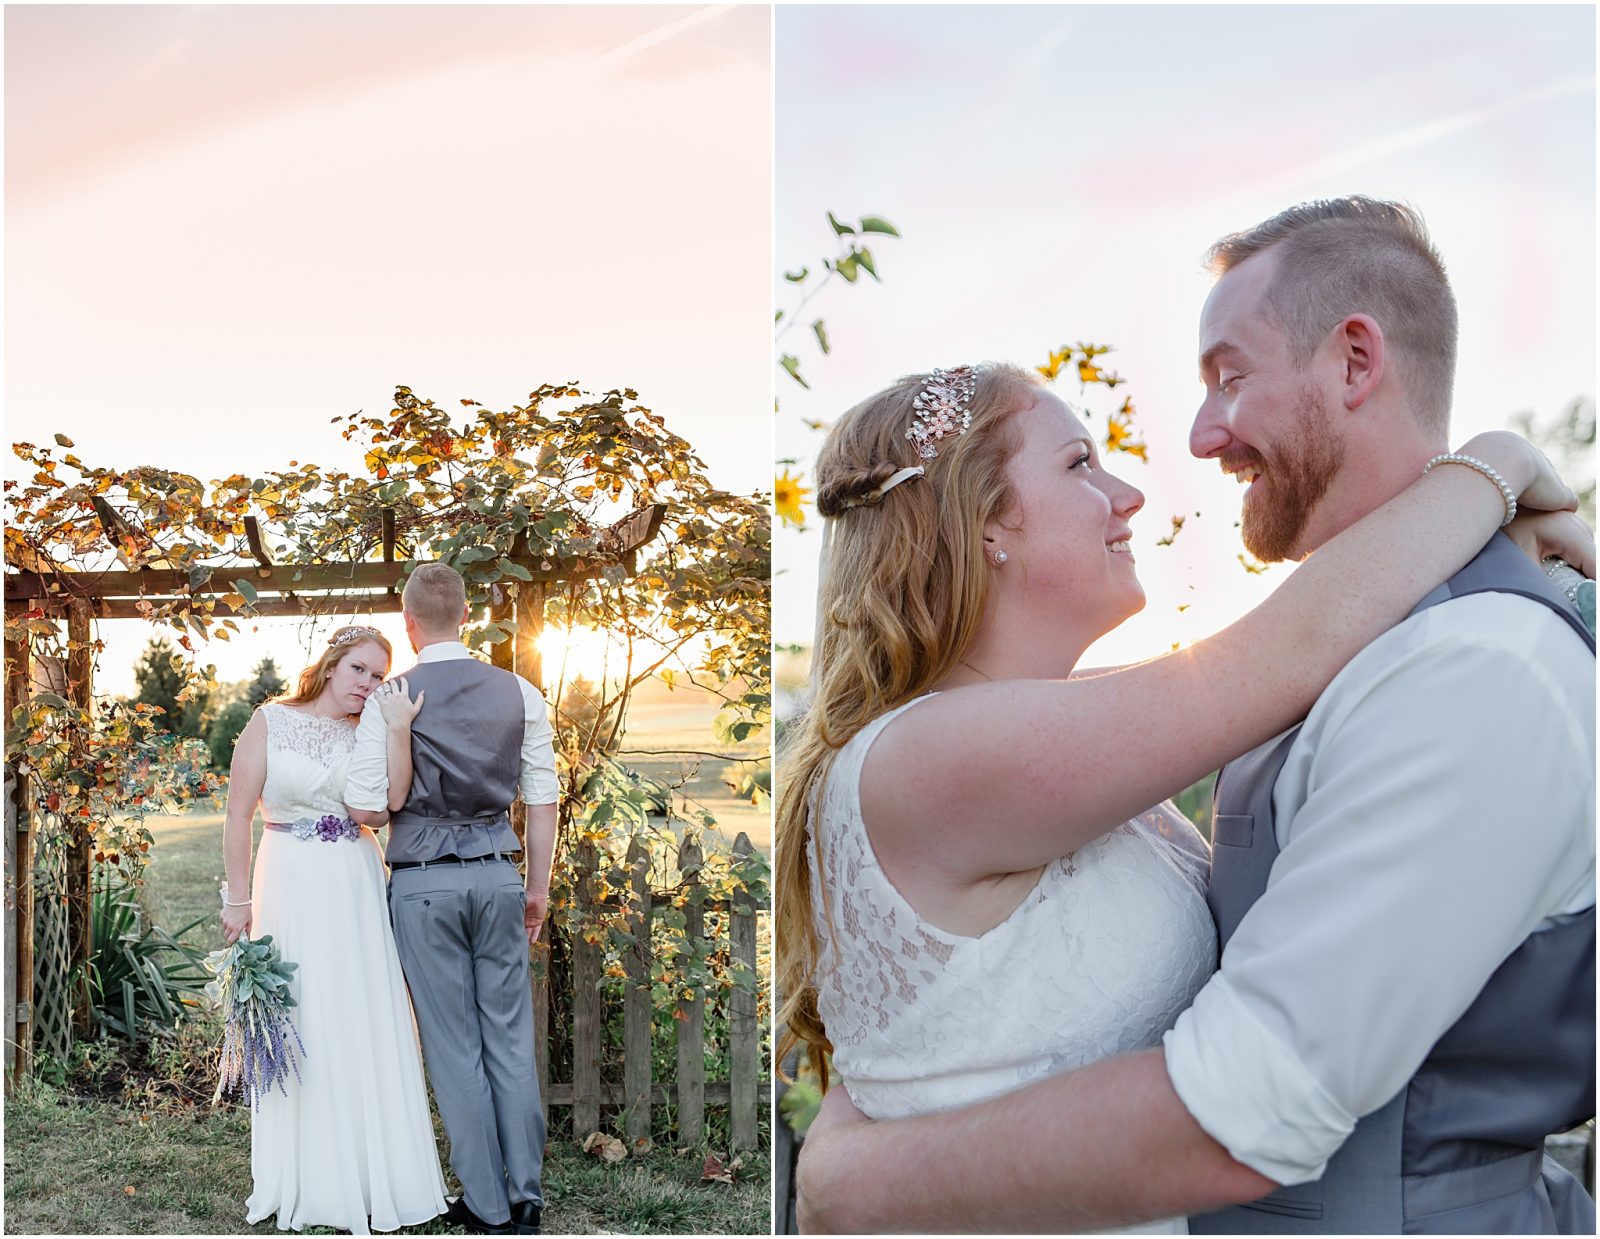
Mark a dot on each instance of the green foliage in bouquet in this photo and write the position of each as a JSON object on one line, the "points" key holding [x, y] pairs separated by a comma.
{"points": [[260, 1044]]}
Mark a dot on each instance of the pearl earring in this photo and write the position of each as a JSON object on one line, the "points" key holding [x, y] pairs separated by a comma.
{"points": [[999, 558]]}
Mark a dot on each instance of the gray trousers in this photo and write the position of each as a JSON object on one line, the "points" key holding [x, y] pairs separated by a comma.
{"points": [[459, 931]]}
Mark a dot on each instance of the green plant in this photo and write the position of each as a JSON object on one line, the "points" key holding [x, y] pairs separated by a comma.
{"points": [[139, 975]]}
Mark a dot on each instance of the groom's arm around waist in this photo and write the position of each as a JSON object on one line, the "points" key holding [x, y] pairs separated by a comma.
{"points": [[1104, 1146]]}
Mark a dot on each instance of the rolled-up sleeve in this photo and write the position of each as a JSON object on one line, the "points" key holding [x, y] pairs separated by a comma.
{"points": [[538, 777], [1447, 812], [366, 784]]}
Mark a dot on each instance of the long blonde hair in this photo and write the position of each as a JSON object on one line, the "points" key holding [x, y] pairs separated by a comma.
{"points": [[315, 677], [900, 602]]}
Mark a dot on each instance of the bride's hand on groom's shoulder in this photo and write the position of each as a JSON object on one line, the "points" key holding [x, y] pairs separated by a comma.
{"points": [[395, 703], [1540, 535], [1528, 470]]}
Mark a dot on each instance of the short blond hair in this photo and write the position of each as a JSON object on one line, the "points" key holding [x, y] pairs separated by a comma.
{"points": [[434, 597], [1360, 255]]}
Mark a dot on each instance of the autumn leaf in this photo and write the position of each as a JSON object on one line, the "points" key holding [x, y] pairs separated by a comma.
{"points": [[607, 1147], [1252, 565], [788, 498], [715, 1171], [1177, 527]]}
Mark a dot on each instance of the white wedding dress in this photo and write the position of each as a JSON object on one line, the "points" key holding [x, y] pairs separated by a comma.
{"points": [[1098, 959], [352, 1140]]}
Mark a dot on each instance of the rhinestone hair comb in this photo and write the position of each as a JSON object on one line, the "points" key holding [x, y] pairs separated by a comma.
{"points": [[941, 408], [356, 632]]}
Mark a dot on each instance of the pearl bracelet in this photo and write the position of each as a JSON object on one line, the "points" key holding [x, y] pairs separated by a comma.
{"points": [[1458, 458]]}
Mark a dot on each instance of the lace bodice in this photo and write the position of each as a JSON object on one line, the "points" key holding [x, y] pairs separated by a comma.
{"points": [[1099, 958], [307, 757]]}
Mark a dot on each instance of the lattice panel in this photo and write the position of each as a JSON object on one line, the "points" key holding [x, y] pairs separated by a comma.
{"points": [[52, 970]]}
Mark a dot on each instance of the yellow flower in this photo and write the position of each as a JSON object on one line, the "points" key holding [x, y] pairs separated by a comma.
{"points": [[1052, 368], [788, 496], [1119, 434]]}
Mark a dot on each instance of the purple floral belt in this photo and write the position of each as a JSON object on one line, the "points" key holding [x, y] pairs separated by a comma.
{"points": [[328, 828]]}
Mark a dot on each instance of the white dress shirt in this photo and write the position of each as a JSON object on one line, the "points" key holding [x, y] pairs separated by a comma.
{"points": [[367, 785], [1437, 808]]}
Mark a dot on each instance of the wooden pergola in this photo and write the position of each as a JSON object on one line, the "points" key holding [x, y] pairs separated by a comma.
{"points": [[281, 590]]}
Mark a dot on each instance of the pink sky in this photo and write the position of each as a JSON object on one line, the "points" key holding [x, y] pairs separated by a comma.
{"points": [[226, 225], [250, 209], [1057, 173]]}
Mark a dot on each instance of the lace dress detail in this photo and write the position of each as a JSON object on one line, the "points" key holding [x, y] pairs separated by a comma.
{"points": [[351, 1144], [307, 757], [1098, 959]]}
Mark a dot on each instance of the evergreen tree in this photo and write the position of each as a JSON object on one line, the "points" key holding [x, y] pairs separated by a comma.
{"points": [[224, 732], [267, 685], [160, 676]]}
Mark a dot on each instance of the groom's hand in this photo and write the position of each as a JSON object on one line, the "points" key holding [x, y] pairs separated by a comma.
{"points": [[534, 914], [812, 1189]]}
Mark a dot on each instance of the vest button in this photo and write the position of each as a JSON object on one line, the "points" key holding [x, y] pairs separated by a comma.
{"points": [[426, 902]]}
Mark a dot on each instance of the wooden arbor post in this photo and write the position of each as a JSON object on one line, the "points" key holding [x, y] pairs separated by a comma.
{"points": [[19, 882]]}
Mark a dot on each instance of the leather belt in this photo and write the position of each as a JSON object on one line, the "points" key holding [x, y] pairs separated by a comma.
{"points": [[453, 859]]}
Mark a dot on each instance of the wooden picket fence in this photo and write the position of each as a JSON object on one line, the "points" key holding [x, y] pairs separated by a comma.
{"points": [[638, 1093]]}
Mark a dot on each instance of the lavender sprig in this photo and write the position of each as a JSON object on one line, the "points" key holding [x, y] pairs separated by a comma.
{"points": [[259, 1041]]}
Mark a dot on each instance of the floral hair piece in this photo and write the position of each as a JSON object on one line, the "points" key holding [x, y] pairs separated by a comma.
{"points": [[941, 408], [352, 634]]}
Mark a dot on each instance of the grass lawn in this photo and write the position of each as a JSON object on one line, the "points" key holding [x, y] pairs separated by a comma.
{"points": [[131, 1145], [71, 1162]]}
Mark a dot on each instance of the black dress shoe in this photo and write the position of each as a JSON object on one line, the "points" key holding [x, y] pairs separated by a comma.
{"points": [[525, 1218], [459, 1215]]}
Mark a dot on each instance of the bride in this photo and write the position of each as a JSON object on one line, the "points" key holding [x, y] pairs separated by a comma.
{"points": [[972, 888], [351, 1144]]}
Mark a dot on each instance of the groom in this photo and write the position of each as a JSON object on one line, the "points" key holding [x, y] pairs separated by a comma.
{"points": [[1403, 884], [463, 918]]}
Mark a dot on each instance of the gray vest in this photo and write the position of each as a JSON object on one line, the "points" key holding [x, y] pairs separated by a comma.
{"points": [[466, 756], [1460, 1149]]}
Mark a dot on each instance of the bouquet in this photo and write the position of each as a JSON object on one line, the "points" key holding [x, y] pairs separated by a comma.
{"points": [[260, 1042]]}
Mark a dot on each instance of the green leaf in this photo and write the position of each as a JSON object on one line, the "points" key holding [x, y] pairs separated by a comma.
{"points": [[842, 230], [244, 587], [821, 333], [864, 257], [511, 568], [791, 364], [877, 223], [847, 268], [794, 277]]}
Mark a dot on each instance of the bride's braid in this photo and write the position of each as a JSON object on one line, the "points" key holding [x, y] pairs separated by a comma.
{"points": [[854, 488], [904, 590]]}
